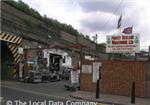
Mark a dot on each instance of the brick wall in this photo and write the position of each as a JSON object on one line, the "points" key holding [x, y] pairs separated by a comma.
{"points": [[148, 79], [117, 78]]}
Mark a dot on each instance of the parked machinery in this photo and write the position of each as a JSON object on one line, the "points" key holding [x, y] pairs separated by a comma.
{"points": [[44, 64], [55, 66], [34, 75], [36, 69]]}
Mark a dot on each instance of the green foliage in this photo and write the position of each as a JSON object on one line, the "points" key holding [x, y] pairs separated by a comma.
{"points": [[101, 47], [52, 23], [87, 36], [24, 7], [31, 23]]}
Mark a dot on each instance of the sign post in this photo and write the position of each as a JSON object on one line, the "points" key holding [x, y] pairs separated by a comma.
{"points": [[97, 89], [97, 76], [96, 71], [97, 84]]}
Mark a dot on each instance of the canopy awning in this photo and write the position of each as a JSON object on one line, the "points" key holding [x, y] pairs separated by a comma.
{"points": [[10, 38], [13, 45]]}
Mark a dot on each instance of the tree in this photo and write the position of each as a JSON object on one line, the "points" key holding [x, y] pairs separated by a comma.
{"points": [[87, 36], [95, 38]]}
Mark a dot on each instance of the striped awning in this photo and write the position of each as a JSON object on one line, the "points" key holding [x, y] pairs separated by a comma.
{"points": [[13, 45], [10, 38]]}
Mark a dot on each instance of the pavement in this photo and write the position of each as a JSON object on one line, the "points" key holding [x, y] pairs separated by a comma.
{"points": [[109, 99], [57, 90]]}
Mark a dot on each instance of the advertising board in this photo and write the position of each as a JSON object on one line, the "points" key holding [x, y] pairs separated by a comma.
{"points": [[123, 43]]}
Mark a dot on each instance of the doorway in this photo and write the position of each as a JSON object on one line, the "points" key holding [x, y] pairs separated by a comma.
{"points": [[7, 62]]}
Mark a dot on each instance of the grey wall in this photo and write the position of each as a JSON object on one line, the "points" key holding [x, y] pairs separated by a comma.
{"points": [[68, 37], [18, 23]]}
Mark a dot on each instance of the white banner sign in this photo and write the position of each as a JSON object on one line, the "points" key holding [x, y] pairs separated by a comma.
{"points": [[20, 50], [74, 77], [96, 66], [123, 44], [87, 69]]}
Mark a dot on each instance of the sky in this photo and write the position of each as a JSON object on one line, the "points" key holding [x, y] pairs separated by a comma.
{"points": [[99, 17]]}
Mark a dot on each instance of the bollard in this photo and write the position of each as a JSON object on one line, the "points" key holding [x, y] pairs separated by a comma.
{"points": [[97, 89], [133, 93]]}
